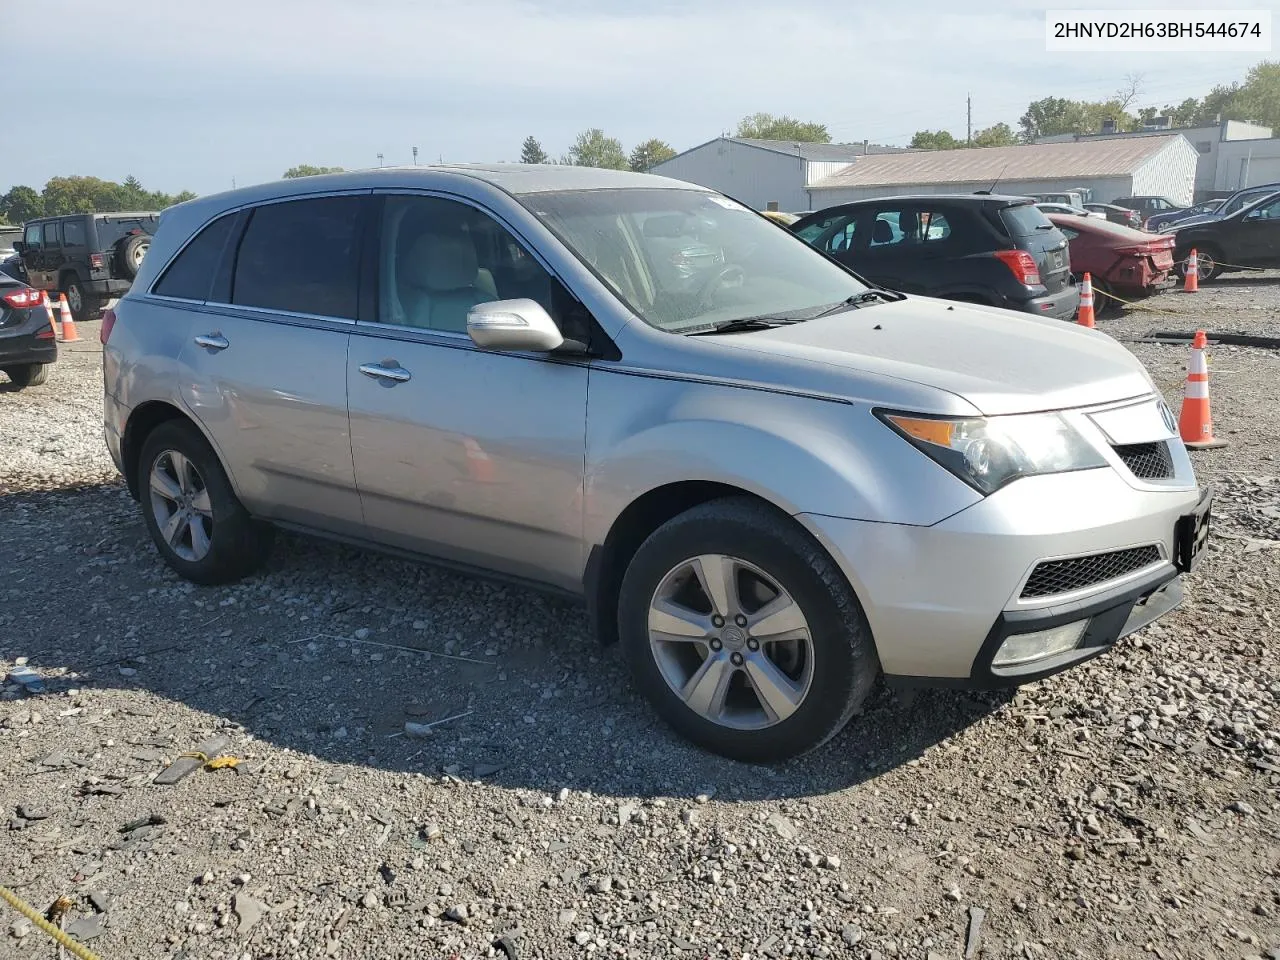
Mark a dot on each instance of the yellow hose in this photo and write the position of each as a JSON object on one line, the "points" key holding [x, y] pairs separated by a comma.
{"points": [[32, 914]]}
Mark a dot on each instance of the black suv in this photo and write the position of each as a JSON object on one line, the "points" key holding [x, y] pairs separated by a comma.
{"points": [[91, 257], [1248, 238], [980, 248]]}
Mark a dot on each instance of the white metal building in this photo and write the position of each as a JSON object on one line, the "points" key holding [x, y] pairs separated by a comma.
{"points": [[1247, 163], [765, 174], [1217, 148], [1161, 166]]}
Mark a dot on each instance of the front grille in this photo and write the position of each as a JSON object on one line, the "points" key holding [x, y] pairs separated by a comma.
{"points": [[1063, 576], [1147, 461]]}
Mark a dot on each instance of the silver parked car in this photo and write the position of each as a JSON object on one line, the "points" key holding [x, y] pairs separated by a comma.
{"points": [[769, 481]]}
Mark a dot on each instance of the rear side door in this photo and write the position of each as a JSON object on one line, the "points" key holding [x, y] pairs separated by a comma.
{"points": [[52, 257], [910, 247], [264, 370]]}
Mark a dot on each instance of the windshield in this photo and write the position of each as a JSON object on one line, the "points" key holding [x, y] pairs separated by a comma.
{"points": [[684, 260]]}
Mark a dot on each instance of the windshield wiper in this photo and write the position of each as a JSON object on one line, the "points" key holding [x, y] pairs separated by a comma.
{"points": [[747, 323], [858, 299]]}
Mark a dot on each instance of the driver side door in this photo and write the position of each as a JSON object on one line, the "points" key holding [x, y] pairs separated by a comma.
{"points": [[1258, 236]]}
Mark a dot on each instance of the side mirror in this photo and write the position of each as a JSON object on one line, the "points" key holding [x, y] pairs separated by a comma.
{"points": [[513, 325], [19, 247]]}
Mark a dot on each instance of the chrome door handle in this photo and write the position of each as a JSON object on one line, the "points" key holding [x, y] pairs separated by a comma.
{"points": [[214, 341], [378, 371]]}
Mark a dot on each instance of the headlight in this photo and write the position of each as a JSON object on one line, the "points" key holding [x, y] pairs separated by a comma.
{"points": [[988, 453]]}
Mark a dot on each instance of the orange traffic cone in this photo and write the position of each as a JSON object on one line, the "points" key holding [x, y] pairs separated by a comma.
{"points": [[68, 324], [479, 465], [48, 312], [1195, 423], [1085, 316], [1191, 275]]}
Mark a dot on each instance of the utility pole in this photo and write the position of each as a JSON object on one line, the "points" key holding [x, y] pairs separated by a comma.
{"points": [[968, 137], [379, 159], [415, 156]]}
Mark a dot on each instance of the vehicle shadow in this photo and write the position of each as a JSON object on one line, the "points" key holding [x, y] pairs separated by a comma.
{"points": [[331, 650], [1247, 279]]}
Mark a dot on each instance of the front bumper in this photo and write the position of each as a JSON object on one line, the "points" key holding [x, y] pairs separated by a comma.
{"points": [[941, 600]]}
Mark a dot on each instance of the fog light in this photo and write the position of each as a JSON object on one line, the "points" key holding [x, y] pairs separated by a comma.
{"points": [[1025, 647]]}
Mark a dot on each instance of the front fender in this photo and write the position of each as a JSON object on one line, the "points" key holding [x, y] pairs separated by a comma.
{"points": [[803, 454]]}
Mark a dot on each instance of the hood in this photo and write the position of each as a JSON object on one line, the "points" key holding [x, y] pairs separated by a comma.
{"points": [[1000, 361]]}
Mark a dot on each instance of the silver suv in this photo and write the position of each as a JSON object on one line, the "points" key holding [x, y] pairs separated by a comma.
{"points": [[769, 481]]}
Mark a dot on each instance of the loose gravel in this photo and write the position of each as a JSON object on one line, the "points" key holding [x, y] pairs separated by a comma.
{"points": [[435, 766]]}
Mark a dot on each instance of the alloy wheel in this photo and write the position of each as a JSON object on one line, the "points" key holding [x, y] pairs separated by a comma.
{"points": [[181, 505], [731, 642]]}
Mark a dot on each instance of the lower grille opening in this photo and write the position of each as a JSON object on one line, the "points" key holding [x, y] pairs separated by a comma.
{"points": [[1147, 461], [1063, 576]]}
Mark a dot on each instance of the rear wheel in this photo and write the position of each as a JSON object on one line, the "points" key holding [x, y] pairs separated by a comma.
{"points": [[84, 306], [1103, 301], [194, 517], [743, 634], [28, 374]]}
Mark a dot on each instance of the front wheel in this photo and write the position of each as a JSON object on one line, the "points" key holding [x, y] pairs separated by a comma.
{"points": [[743, 634], [1208, 264], [194, 517]]}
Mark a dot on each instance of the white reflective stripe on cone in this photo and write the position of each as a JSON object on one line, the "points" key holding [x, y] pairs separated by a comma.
{"points": [[1197, 390], [1198, 364]]}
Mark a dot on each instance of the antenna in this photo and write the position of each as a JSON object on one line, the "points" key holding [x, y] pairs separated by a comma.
{"points": [[998, 176]]}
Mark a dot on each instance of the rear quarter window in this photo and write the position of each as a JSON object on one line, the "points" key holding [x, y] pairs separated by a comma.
{"points": [[1024, 220], [191, 274]]}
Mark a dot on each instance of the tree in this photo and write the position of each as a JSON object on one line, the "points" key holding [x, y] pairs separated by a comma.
{"points": [[649, 154], [593, 149], [1053, 116], [996, 135], [20, 204], [306, 170], [765, 126], [934, 140], [1259, 99], [532, 152], [1129, 91]]}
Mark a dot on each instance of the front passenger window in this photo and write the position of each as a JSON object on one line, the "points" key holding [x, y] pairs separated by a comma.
{"points": [[439, 258]]}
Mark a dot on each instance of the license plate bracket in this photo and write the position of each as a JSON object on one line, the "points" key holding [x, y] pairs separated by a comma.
{"points": [[1191, 533]]}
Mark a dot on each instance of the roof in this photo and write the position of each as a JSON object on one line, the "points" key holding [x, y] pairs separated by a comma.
{"points": [[515, 178], [986, 165], [819, 152]]}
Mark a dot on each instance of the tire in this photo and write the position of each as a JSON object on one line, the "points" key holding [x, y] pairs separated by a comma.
{"points": [[1208, 260], [84, 306], [828, 681], [131, 252], [234, 544], [28, 374], [1103, 305]]}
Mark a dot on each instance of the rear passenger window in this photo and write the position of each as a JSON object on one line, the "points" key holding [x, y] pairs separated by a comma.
{"points": [[51, 234], [300, 256], [190, 275], [73, 233]]}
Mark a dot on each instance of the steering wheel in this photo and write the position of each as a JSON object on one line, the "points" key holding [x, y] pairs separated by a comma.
{"points": [[718, 279]]}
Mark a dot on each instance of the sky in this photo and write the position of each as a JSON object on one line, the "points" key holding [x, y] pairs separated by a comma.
{"points": [[201, 96]]}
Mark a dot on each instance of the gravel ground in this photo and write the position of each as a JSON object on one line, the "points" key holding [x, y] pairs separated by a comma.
{"points": [[1125, 809]]}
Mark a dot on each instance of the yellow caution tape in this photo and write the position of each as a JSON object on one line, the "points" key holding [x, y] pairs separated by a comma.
{"points": [[32, 914], [213, 763]]}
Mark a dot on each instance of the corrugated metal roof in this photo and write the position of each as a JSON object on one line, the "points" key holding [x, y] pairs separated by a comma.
{"points": [[815, 151], [1041, 161]]}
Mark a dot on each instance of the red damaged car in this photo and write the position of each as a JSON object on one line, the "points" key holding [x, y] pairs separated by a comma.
{"points": [[1128, 263]]}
